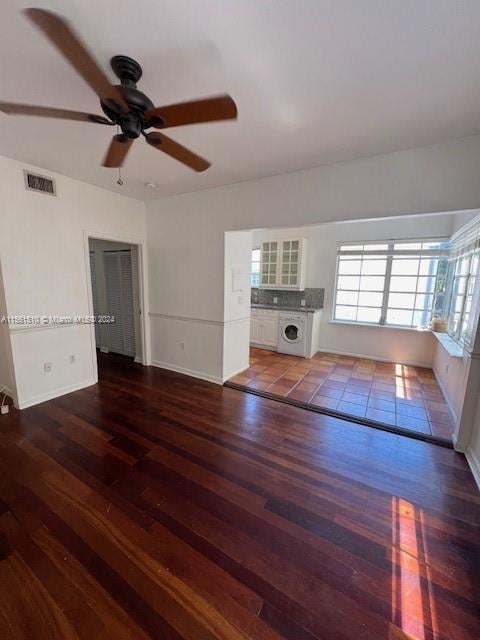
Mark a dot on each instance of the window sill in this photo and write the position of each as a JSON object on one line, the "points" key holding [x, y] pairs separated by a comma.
{"points": [[451, 346], [379, 326]]}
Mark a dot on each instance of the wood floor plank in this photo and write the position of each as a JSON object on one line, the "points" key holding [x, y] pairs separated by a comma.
{"points": [[157, 506]]}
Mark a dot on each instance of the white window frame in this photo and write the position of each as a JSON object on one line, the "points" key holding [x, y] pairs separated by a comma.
{"points": [[389, 254], [458, 335], [465, 243]]}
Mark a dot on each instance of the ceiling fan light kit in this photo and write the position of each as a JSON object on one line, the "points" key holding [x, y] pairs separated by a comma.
{"points": [[123, 104]]}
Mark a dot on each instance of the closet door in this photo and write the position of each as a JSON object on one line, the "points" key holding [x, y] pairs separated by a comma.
{"points": [[128, 308], [93, 276], [119, 297]]}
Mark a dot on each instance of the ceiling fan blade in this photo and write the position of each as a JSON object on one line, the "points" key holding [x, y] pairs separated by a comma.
{"points": [[61, 35], [177, 151], [205, 110], [117, 151], [50, 112]]}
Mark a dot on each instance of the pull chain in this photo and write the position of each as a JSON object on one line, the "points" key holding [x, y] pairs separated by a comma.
{"points": [[119, 181]]}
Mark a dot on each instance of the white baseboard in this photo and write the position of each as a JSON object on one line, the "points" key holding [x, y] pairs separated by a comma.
{"points": [[266, 347], [408, 363], [201, 375], [235, 373], [104, 350], [138, 360], [43, 397], [445, 394], [474, 464]]}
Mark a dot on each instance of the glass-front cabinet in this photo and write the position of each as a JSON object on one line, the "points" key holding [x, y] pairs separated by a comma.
{"points": [[283, 264], [269, 264]]}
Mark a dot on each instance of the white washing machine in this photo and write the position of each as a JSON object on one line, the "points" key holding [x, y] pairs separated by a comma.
{"points": [[292, 333]]}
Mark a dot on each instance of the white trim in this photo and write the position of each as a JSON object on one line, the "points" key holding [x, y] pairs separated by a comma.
{"points": [[235, 373], [474, 464], [141, 246], [61, 391], [468, 226], [266, 347], [400, 327], [451, 346], [445, 395], [167, 316], [218, 323], [187, 372], [43, 327], [408, 363], [389, 254]]}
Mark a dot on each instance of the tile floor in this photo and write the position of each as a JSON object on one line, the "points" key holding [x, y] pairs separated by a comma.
{"points": [[394, 394]]}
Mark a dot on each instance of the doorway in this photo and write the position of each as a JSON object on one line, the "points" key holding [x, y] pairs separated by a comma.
{"points": [[116, 298]]}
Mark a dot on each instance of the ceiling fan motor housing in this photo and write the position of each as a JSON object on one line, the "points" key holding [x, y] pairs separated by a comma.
{"points": [[129, 72]]}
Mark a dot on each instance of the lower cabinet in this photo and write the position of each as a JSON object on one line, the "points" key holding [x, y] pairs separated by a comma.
{"points": [[264, 327]]}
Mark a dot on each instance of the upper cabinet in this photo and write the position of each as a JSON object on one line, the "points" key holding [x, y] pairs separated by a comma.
{"points": [[283, 264]]}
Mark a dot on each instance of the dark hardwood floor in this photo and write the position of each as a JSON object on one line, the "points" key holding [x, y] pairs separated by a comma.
{"points": [[156, 506]]}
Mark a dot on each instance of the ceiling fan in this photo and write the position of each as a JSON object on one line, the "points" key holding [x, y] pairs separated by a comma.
{"points": [[123, 104]]}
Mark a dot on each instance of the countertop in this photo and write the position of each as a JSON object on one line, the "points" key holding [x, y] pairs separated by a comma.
{"points": [[279, 307]]}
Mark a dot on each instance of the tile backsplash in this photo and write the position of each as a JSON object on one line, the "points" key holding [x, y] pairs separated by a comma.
{"points": [[313, 297]]}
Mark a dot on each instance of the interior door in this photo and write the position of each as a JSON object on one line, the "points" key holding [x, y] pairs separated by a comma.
{"points": [[119, 298]]}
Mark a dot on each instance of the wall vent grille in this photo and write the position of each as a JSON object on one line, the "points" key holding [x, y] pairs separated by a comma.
{"points": [[40, 184]]}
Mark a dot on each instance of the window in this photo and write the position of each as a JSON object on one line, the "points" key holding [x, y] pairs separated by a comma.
{"points": [[464, 266], [398, 283], [255, 279]]}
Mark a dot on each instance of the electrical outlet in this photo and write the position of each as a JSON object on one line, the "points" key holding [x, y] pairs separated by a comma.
{"points": [[47, 367], [72, 358]]}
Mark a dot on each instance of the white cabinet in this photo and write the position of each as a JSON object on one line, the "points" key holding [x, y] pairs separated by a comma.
{"points": [[264, 327], [269, 332], [255, 330], [283, 264], [269, 264]]}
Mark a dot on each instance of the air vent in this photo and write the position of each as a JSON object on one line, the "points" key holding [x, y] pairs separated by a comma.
{"points": [[41, 184]]}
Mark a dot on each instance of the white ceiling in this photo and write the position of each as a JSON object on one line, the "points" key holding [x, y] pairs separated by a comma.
{"points": [[315, 81]]}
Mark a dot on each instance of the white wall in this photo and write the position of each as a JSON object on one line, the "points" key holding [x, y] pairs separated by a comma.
{"points": [[186, 232], [7, 378], [397, 345], [473, 449], [452, 375], [44, 266], [459, 377], [236, 336]]}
